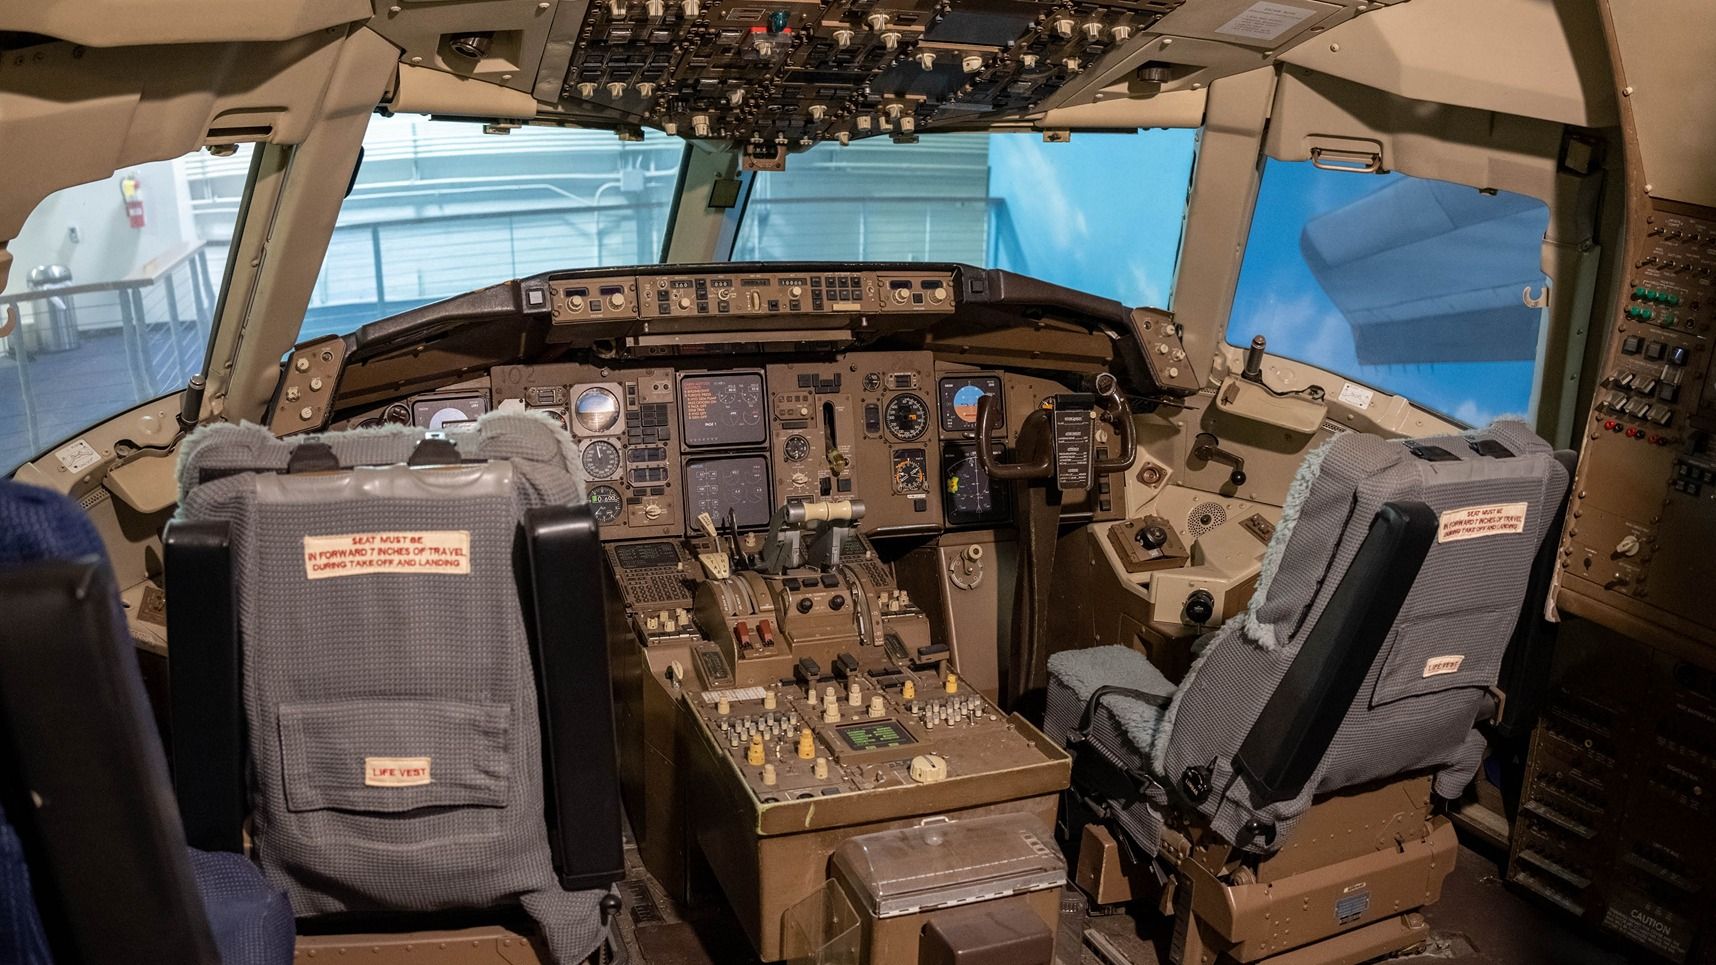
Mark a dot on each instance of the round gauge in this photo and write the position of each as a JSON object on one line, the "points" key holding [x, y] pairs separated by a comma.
{"points": [[797, 449], [909, 472], [596, 410], [559, 416], [397, 414], [907, 417], [606, 504], [601, 460], [872, 381]]}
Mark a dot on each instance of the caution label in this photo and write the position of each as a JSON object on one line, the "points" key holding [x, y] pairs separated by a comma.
{"points": [[1475, 521], [349, 554], [396, 771]]}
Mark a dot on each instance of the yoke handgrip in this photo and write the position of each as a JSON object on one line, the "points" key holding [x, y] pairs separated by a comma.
{"points": [[1042, 468]]}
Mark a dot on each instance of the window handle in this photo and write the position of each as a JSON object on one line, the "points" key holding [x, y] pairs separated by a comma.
{"points": [[1350, 162]]}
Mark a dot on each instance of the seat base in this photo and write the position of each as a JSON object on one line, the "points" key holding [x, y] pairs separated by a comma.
{"points": [[482, 945]]}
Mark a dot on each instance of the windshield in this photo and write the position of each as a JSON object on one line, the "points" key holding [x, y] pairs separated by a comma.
{"points": [[110, 298], [1414, 286], [440, 208], [1102, 213]]}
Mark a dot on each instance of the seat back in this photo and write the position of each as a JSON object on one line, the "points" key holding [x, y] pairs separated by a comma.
{"points": [[1364, 654], [82, 774], [389, 647]]}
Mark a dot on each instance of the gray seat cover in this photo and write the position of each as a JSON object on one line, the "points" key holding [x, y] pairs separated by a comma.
{"points": [[1429, 684], [394, 738]]}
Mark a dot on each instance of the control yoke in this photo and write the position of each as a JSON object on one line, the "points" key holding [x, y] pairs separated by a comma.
{"points": [[1070, 459]]}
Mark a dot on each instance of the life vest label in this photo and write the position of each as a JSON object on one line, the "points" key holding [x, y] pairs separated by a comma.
{"points": [[1472, 522], [396, 771], [349, 554], [1437, 666]]}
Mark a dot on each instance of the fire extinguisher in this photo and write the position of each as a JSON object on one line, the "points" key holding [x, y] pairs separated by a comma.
{"points": [[132, 190]]}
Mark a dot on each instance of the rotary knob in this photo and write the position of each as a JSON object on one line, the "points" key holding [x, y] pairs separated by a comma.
{"points": [[926, 60], [1200, 607], [1153, 537], [1063, 26]]}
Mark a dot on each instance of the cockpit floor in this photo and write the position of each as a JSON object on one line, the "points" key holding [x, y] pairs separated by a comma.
{"points": [[1479, 921]]}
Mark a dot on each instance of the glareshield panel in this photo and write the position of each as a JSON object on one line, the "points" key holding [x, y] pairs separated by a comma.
{"points": [[110, 298], [1413, 286]]}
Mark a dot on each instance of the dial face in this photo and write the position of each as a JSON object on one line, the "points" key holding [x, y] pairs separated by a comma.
{"points": [[910, 471], [596, 410], [397, 414], [601, 460], [606, 504], [907, 417], [797, 448]]}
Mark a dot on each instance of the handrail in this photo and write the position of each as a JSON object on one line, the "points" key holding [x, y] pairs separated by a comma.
{"points": [[147, 274]]}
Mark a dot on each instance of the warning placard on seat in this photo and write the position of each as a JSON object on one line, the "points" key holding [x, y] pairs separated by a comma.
{"points": [[1472, 522], [349, 554]]}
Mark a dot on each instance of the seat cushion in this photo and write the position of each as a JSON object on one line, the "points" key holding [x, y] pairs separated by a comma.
{"points": [[251, 920], [1077, 674]]}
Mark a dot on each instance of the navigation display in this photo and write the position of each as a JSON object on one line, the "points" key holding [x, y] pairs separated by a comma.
{"points": [[739, 483], [723, 410], [959, 395]]}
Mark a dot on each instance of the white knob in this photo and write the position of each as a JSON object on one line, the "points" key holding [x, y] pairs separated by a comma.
{"points": [[616, 300], [1121, 33], [646, 89], [1628, 546], [844, 137], [765, 49], [586, 90], [894, 111], [877, 21], [843, 38], [669, 128], [831, 713], [926, 60], [617, 8], [854, 694], [877, 706], [689, 9], [655, 8], [616, 89], [972, 63], [700, 125], [1093, 30], [818, 112], [302, 365], [1028, 61], [1071, 64], [820, 768], [1063, 26], [769, 700], [736, 96], [890, 40]]}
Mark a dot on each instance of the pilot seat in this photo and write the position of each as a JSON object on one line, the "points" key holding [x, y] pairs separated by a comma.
{"points": [[388, 655], [1277, 802], [93, 862]]}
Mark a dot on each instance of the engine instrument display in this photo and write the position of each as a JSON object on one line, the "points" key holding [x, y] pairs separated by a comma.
{"points": [[723, 410], [959, 395], [738, 483], [596, 410], [907, 417], [606, 504], [875, 735]]}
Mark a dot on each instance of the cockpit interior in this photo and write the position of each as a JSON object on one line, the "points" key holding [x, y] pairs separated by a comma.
{"points": [[864, 482]]}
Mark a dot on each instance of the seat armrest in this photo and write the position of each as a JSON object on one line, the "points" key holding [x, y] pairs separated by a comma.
{"points": [[204, 670], [565, 613]]}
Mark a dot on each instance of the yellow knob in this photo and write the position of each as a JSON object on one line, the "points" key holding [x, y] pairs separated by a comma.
{"points": [[909, 691], [754, 753], [952, 683], [806, 744]]}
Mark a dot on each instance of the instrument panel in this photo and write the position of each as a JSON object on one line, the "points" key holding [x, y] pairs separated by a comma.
{"points": [[660, 446]]}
